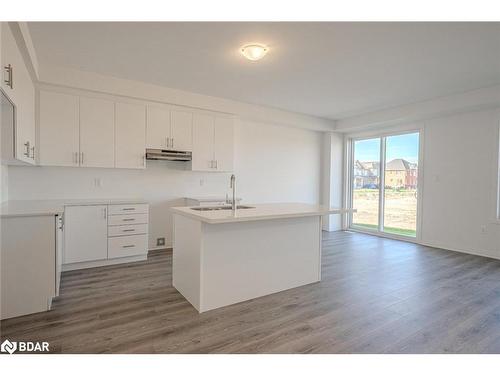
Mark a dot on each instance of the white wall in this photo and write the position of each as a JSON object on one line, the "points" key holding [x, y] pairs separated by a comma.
{"points": [[272, 164], [460, 182], [332, 167]]}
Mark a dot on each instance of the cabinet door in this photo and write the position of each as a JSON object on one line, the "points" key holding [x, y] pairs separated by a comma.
{"points": [[182, 131], [22, 94], [203, 143], [85, 233], [97, 133], [130, 135], [158, 127], [224, 143], [59, 250], [59, 129]]}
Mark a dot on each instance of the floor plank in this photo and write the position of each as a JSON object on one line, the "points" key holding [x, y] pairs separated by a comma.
{"points": [[376, 296]]}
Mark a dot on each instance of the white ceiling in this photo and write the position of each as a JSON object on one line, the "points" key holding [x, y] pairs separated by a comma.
{"points": [[330, 70]]}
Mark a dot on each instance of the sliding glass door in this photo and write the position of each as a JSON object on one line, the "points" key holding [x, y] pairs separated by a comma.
{"points": [[366, 184], [384, 176]]}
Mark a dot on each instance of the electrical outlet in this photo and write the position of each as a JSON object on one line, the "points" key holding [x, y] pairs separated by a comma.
{"points": [[97, 182], [202, 182], [160, 241]]}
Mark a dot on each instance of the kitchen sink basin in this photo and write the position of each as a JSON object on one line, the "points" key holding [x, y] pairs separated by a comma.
{"points": [[220, 208]]}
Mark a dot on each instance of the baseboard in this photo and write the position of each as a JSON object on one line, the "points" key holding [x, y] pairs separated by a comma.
{"points": [[102, 263], [463, 251], [165, 247], [425, 243]]}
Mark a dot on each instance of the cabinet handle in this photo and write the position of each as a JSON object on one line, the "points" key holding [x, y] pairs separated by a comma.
{"points": [[128, 209], [125, 246], [128, 230], [81, 160], [27, 145], [172, 142], [128, 220], [10, 74], [104, 213], [216, 164], [33, 152]]}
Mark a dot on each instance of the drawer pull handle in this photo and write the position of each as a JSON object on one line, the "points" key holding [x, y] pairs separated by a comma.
{"points": [[128, 246], [128, 209], [128, 219], [129, 230]]}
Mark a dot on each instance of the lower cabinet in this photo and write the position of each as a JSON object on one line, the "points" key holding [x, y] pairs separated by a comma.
{"points": [[126, 246], [98, 235], [86, 234]]}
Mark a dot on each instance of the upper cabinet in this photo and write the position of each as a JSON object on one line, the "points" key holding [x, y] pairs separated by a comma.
{"points": [[169, 129], [181, 131], [18, 86], [130, 135], [223, 144], [97, 133], [158, 127], [59, 137], [213, 142], [84, 131], [90, 132]]}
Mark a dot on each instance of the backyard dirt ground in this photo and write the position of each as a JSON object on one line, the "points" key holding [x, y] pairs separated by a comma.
{"points": [[400, 208]]}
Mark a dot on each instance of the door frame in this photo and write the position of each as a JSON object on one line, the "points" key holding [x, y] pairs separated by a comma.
{"points": [[349, 140]]}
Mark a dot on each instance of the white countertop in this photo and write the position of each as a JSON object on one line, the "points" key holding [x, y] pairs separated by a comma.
{"points": [[259, 212], [55, 206], [209, 199]]}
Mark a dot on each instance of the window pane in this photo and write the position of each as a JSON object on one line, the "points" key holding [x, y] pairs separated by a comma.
{"points": [[366, 174], [401, 173]]}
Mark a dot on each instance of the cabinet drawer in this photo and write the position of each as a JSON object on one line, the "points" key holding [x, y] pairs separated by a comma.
{"points": [[127, 230], [127, 246], [121, 209], [128, 219]]}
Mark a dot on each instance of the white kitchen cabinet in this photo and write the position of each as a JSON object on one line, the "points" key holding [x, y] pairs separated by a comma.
{"points": [[59, 129], [97, 133], [17, 84], [223, 144], [130, 135], [181, 131], [85, 234], [213, 142], [169, 129], [158, 127], [59, 250], [203, 143]]}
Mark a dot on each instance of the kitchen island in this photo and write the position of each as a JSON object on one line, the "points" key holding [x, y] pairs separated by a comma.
{"points": [[222, 257]]}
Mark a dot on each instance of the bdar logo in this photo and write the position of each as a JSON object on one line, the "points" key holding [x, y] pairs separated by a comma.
{"points": [[8, 347]]}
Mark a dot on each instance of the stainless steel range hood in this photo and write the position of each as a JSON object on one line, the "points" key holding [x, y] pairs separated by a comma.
{"points": [[158, 154]]}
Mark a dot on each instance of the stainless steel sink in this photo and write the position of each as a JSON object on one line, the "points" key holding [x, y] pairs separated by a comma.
{"points": [[220, 208]]}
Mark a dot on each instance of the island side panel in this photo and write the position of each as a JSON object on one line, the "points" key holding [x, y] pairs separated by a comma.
{"points": [[245, 260], [186, 258], [28, 264]]}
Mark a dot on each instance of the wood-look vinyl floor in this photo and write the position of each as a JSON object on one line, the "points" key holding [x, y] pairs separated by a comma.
{"points": [[376, 296]]}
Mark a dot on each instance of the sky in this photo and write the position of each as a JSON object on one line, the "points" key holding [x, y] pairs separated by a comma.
{"points": [[404, 146]]}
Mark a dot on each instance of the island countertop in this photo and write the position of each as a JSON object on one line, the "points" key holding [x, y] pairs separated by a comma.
{"points": [[259, 212]]}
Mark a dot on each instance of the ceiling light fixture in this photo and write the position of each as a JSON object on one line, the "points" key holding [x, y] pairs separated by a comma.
{"points": [[254, 51]]}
